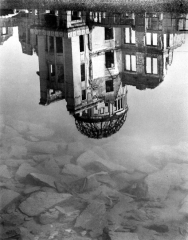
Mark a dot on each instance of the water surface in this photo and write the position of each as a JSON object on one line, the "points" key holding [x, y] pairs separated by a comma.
{"points": [[129, 161]]}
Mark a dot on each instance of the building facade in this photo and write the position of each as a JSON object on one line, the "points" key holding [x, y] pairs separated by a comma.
{"points": [[89, 58]]}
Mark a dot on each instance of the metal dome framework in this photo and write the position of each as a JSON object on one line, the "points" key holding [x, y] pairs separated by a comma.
{"points": [[100, 127]]}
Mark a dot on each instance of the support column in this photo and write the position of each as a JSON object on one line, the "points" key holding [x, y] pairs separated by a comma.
{"points": [[43, 69], [72, 72]]}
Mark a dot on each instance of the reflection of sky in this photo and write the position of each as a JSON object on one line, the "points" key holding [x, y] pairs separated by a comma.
{"points": [[20, 82], [155, 117], [160, 115]]}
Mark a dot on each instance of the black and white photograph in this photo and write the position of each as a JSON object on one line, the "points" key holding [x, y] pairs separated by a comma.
{"points": [[93, 120]]}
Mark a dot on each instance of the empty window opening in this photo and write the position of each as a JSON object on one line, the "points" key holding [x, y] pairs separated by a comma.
{"points": [[154, 39], [59, 45], [130, 63], [109, 57], [51, 43], [148, 38], [152, 23], [95, 110], [151, 65], [102, 111], [83, 94], [75, 15], [109, 33], [155, 66], [115, 105], [151, 39], [52, 70], [109, 86], [4, 31], [106, 108], [83, 72], [130, 36], [119, 104], [171, 39], [81, 43], [165, 41], [103, 15]]}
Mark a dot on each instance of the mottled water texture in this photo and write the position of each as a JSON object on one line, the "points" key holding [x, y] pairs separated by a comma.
{"points": [[107, 5], [93, 124]]}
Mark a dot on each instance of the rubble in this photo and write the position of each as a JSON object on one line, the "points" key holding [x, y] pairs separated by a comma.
{"points": [[51, 167], [75, 148], [24, 170], [6, 197], [84, 195], [43, 179], [184, 206], [14, 163], [37, 130], [73, 169], [93, 218], [48, 217], [89, 157], [63, 160], [18, 151], [42, 147], [40, 201], [123, 235], [4, 172]]}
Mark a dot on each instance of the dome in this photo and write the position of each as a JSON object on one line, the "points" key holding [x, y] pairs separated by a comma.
{"points": [[100, 127]]}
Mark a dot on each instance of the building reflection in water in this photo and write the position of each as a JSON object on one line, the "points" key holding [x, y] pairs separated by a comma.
{"points": [[88, 59], [6, 30]]}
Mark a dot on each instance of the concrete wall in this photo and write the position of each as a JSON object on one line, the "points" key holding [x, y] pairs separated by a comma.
{"points": [[98, 39], [72, 71], [43, 67]]}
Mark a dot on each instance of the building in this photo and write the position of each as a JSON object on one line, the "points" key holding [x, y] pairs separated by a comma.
{"points": [[68, 70], [89, 58], [27, 39], [6, 30]]}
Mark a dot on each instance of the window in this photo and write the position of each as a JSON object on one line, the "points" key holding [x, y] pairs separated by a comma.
{"points": [[165, 41], [81, 43], [109, 86], [83, 94], [59, 45], [106, 107], [130, 63], [109, 57], [152, 23], [4, 31], [109, 33], [151, 65], [170, 40], [75, 15], [102, 111], [83, 72], [118, 104], [115, 105], [130, 36], [52, 70], [95, 110], [60, 73], [51, 43], [151, 39]]}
